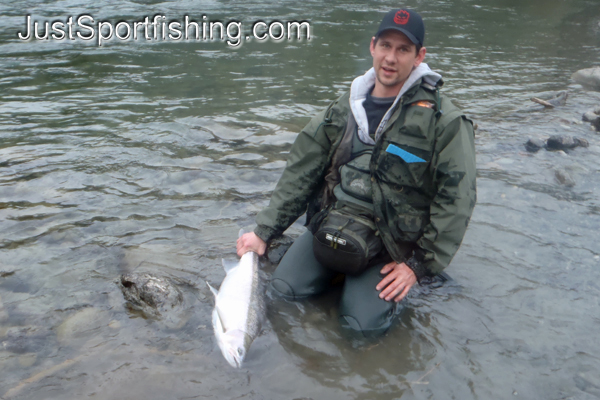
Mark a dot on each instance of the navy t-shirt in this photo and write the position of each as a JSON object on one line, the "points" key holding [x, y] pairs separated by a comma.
{"points": [[376, 107]]}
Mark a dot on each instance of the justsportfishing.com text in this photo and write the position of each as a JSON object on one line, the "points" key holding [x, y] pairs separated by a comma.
{"points": [[158, 28]]}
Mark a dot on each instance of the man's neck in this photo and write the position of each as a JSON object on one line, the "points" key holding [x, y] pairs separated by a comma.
{"points": [[386, 91]]}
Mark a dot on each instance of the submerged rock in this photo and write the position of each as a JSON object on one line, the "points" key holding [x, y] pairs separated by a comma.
{"points": [[565, 142], [81, 324], [561, 142], [25, 339], [149, 294], [553, 100], [564, 178], [593, 116], [533, 145], [555, 142], [589, 78]]}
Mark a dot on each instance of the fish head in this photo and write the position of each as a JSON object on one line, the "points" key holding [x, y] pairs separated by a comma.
{"points": [[233, 346]]}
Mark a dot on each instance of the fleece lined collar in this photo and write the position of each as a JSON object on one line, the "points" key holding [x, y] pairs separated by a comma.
{"points": [[361, 86]]}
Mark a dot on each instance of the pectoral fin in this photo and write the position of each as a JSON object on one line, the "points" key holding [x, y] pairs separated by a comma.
{"points": [[213, 290]]}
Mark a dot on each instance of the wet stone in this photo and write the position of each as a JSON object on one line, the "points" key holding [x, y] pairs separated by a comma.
{"points": [[552, 100], [80, 324], [27, 360], [564, 178], [561, 142], [590, 116], [593, 116], [149, 294], [533, 145], [589, 78], [21, 340]]}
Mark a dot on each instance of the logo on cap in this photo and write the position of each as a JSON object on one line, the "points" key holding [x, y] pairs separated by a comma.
{"points": [[401, 17]]}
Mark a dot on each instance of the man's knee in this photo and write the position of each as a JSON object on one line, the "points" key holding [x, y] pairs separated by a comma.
{"points": [[369, 325], [285, 290]]}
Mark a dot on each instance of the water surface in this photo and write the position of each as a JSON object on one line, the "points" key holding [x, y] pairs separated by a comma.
{"points": [[150, 156]]}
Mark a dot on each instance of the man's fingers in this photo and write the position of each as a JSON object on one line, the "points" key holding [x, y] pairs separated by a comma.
{"points": [[403, 294], [390, 286], [384, 282], [387, 268], [393, 292]]}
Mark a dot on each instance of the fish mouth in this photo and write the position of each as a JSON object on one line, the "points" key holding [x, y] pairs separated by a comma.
{"points": [[234, 359]]}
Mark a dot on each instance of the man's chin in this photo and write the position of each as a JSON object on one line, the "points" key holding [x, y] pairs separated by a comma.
{"points": [[389, 83]]}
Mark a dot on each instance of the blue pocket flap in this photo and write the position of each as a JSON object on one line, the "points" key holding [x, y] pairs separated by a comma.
{"points": [[405, 155]]}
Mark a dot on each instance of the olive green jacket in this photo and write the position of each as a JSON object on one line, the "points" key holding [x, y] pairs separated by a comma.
{"points": [[422, 209]]}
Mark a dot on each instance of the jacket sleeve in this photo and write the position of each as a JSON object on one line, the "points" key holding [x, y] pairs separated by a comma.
{"points": [[454, 174], [302, 176]]}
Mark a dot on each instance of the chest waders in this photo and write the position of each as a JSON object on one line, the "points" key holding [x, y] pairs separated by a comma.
{"points": [[300, 274]]}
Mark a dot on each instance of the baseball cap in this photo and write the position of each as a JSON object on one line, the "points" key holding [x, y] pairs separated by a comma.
{"points": [[406, 21]]}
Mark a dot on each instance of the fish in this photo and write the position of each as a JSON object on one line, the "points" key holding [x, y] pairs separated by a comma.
{"points": [[239, 308]]}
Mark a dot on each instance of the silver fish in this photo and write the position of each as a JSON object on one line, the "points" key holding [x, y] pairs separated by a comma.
{"points": [[239, 308]]}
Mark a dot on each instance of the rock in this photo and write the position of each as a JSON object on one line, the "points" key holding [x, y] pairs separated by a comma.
{"points": [[278, 247], [25, 339], [27, 360], [593, 116], [581, 142], [149, 294], [564, 178], [533, 145], [554, 100], [561, 142], [590, 116], [589, 78], [81, 324]]}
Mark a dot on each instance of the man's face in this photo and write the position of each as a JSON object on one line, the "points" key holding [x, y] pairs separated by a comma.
{"points": [[394, 58]]}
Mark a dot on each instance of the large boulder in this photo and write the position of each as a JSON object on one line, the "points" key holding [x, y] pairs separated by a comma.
{"points": [[589, 78]]}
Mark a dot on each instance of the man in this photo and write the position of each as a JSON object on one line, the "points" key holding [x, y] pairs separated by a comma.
{"points": [[412, 154]]}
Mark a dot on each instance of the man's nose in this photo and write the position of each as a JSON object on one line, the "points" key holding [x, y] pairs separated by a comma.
{"points": [[390, 57]]}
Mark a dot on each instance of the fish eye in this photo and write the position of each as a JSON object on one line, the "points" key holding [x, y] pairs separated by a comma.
{"points": [[240, 351]]}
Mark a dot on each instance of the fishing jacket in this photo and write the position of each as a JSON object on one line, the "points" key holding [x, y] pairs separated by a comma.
{"points": [[422, 172]]}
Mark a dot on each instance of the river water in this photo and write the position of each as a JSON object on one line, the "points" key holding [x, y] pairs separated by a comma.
{"points": [[151, 155]]}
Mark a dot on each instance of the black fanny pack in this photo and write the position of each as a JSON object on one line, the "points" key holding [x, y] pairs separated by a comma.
{"points": [[345, 238]]}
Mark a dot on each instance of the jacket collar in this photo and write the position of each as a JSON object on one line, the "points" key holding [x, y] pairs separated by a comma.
{"points": [[363, 84]]}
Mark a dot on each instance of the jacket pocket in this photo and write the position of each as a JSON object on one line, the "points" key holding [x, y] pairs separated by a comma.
{"points": [[405, 164], [356, 178], [417, 122]]}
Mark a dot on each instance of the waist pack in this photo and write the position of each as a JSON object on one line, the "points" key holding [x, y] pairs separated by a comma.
{"points": [[345, 239]]}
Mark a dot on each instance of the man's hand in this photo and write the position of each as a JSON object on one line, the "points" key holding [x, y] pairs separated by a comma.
{"points": [[250, 242], [398, 281]]}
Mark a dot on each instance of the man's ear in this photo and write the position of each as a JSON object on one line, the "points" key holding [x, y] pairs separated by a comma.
{"points": [[420, 57], [372, 46]]}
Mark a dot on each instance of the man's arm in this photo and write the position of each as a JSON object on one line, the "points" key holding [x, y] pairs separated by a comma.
{"points": [[301, 178]]}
